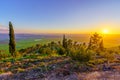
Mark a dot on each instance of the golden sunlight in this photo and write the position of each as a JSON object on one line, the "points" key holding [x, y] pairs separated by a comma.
{"points": [[105, 31]]}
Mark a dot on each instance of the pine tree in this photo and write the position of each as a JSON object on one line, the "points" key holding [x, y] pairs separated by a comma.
{"points": [[11, 40], [96, 42]]}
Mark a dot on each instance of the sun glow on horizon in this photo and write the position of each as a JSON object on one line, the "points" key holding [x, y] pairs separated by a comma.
{"points": [[105, 31]]}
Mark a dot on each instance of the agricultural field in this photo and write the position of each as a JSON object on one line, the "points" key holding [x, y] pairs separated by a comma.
{"points": [[23, 42]]}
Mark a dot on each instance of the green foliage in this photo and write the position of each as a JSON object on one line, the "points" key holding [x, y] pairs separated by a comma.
{"points": [[109, 55], [81, 55], [64, 42], [96, 42], [3, 55], [12, 48], [18, 54], [45, 50], [61, 51]]}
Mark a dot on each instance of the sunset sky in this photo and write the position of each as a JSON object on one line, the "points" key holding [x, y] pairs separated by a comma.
{"points": [[61, 16]]}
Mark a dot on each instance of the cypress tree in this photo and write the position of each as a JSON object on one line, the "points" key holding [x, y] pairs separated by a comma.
{"points": [[64, 42], [11, 40]]}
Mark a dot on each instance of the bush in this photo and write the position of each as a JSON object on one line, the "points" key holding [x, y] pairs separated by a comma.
{"points": [[4, 55], [61, 51], [81, 55]]}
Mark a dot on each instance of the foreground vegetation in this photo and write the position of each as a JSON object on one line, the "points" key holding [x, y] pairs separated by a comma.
{"points": [[81, 52], [66, 56]]}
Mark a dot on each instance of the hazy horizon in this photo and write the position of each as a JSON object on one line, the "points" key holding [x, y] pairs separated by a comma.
{"points": [[109, 40]]}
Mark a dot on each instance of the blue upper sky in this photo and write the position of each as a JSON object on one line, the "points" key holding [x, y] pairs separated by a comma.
{"points": [[60, 16]]}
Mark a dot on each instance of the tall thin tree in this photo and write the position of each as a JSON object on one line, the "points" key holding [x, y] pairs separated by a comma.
{"points": [[12, 44], [64, 42]]}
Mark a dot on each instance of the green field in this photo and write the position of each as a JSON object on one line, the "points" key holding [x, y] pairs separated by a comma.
{"points": [[21, 44]]}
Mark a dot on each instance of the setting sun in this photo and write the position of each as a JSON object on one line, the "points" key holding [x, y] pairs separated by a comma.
{"points": [[105, 31]]}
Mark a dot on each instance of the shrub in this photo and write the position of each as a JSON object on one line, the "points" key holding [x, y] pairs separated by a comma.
{"points": [[61, 51], [81, 55], [4, 55]]}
